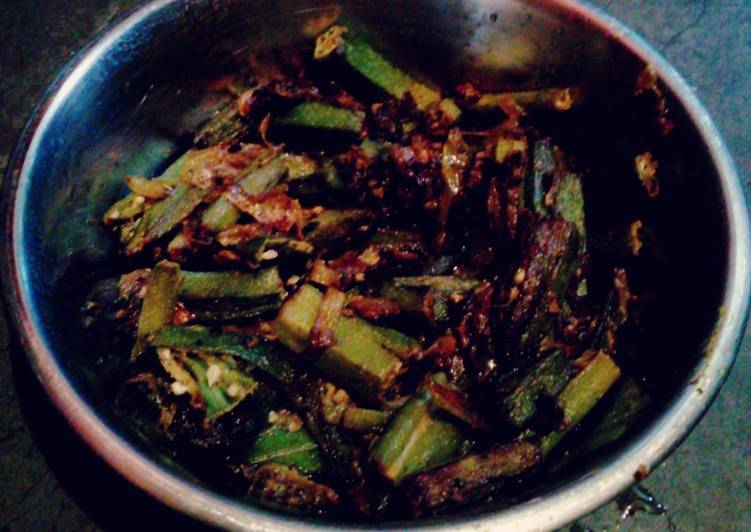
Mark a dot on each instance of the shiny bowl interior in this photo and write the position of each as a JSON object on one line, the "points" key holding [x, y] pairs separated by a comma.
{"points": [[122, 105]]}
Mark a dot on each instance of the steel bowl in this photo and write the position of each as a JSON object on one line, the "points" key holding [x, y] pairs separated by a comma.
{"points": [[119, 107]]}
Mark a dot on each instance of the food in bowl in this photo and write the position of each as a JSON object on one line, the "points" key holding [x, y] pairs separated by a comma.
{"points": [[359, 293]]}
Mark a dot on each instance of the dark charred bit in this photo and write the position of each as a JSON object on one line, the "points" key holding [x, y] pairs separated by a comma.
{"points": [[458, 483], [392, 120], [477, 330], [497, 208], [543, 259], [374, 308], [467, 93], [282, 485], [355, 163]]}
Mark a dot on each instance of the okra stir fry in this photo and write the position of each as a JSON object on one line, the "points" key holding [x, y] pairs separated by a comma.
{"points": [[358, 293]]}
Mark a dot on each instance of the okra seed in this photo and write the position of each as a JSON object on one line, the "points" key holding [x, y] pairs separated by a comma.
{"points": [[340, 397], [178, 388], [213, 374]]}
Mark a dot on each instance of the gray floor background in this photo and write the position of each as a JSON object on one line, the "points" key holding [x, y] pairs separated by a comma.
{"points": [[48, 479]]}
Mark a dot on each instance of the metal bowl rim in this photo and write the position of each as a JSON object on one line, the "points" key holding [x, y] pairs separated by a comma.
{"points": [[554, 509]]}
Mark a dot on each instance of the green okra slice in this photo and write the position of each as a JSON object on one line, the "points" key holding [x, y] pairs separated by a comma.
{"points": [[162, 288], [201, 340], [226, 125], [553, 99], [297, 318], [221, 383], [230, 296], [131, 205], [398, 343], [362, 358], [333, 225], [629, 403], [416, 439], [549, 376], [363, 419], [316, 115], [231, 284], [373, 66], [581, 395], [359, 360], [217, 311], [292, 448], [221, 214], [408, 299], [163, 216]]}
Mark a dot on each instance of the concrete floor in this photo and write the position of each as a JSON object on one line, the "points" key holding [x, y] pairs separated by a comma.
{"points": [[47, 474]]}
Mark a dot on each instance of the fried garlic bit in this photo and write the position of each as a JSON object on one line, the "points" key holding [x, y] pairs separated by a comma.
{"points": [[646, 168], [328, 42], [635, 241]]}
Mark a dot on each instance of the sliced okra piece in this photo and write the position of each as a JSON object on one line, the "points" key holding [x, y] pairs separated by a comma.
{"points": [[581, 395], [162, 288], [373, 66], [461, 481], [201, 340], [554, 99], [548, 376], [321, 116], [292, 448], [333, 225], [230, 284], [416, 439], [132, 205]]}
